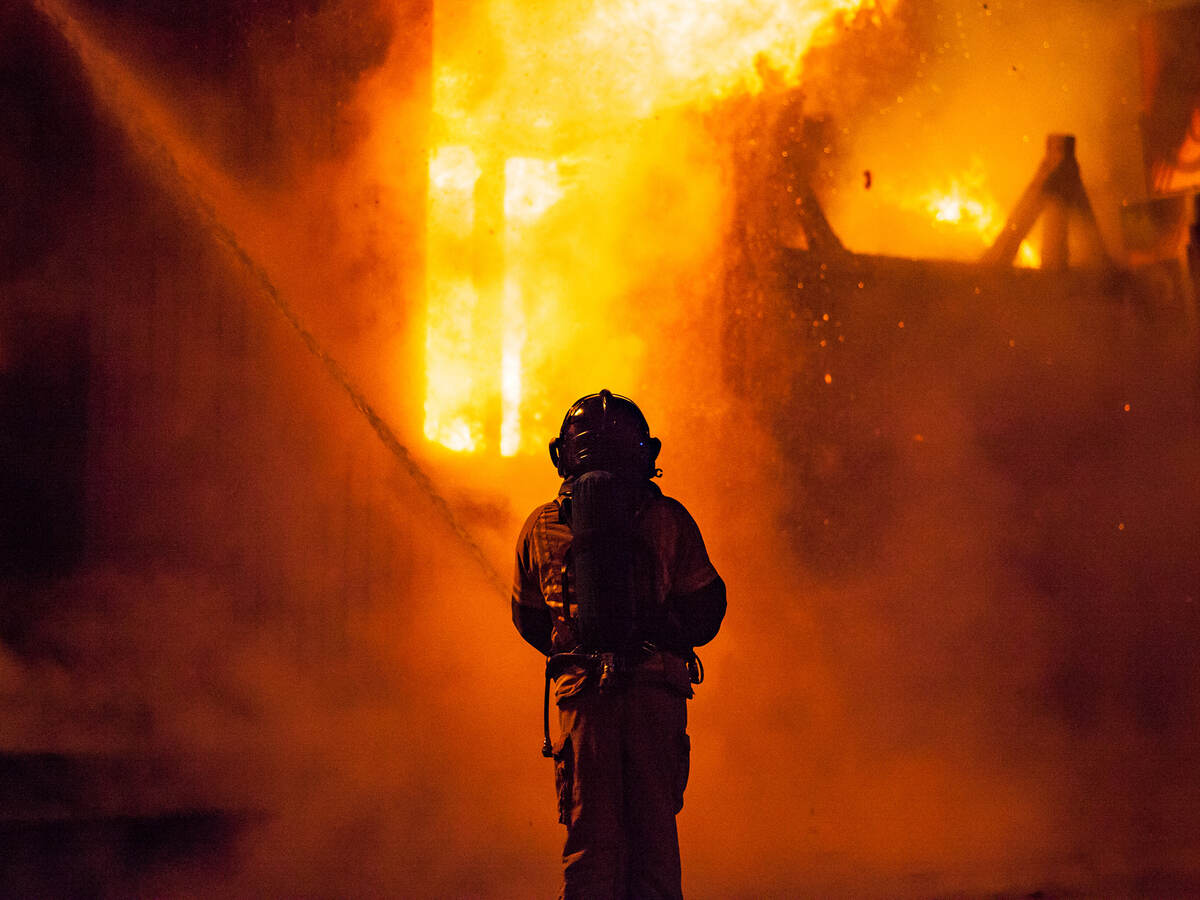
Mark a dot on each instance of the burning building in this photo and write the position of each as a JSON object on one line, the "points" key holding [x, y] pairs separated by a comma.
{"points": [[295, 296]]}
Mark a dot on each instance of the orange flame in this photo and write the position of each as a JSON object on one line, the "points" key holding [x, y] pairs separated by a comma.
{"points": [[964, 204]]}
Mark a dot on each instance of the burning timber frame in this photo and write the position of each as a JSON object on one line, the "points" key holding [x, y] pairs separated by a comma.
{"points": [[844, 354], [788, 263]]}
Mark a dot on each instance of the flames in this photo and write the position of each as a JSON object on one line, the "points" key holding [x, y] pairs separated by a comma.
{"points": [[959, 208], [964, 205], [570, 194], [573, 193]]}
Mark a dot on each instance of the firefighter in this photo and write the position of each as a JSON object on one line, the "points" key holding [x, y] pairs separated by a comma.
{"points": [[614, 585]]}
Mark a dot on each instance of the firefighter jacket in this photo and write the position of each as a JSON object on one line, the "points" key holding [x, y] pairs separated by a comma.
{"points": [[674, 570]]}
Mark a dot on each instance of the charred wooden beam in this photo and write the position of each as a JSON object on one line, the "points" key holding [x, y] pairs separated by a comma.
{"points": [[1057, 195], [1055, 248], [818, 233]]}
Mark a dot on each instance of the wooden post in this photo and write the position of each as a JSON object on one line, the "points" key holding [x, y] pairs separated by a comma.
{"points": [[1193, 248], [1056, 194], [1055, 252]]}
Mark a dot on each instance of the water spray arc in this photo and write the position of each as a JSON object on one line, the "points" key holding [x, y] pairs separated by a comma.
{"points": [[109, 78]]}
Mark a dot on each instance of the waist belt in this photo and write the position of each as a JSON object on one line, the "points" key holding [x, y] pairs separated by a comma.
{"points": [[609, 667]]}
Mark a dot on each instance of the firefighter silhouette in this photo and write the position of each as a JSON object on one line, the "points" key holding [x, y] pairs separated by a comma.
{"points": [[614, 585]]}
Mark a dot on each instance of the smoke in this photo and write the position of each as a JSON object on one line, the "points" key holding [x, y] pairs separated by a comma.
{"points": [[986, 686], [267, 599], [962, 590], [961, 667], [978, 672]]}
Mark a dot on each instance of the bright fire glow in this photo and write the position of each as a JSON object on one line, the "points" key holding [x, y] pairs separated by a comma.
{"points": [[531, 187], [956, 209], [452, 176], [965, 205], [510, 370], [453, 300], [568, 187]]}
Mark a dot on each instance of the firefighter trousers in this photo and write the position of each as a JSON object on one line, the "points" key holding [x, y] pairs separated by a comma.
{"points": [[621, 766]]}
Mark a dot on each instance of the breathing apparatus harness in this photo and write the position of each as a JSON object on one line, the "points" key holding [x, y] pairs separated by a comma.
{"points": [[605, 446]]}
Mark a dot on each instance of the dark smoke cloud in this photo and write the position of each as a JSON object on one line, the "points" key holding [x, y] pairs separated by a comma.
{"points": [[201, 628], [48, 154], [267, 87]]}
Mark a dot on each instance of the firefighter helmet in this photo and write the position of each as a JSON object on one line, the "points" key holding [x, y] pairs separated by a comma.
{"points": [[605, 431]]}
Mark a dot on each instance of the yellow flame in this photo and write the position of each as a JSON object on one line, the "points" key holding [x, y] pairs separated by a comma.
{"points": [[449, 366], [958, 209], [531, 186], [510, 369], [963, 203], [453, 172]]}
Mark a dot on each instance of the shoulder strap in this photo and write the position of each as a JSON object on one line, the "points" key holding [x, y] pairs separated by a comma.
{"points": [[566, 584]]}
